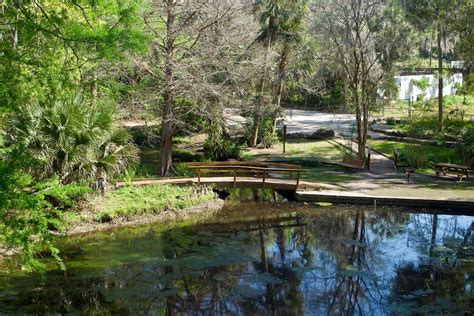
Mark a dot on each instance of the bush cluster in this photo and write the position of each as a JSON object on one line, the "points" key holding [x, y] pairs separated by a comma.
{"points": [[222, 149]]}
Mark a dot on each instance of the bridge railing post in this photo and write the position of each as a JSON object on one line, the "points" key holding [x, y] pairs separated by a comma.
{"points": [[199, 176], [235, 177], [297, 179]]}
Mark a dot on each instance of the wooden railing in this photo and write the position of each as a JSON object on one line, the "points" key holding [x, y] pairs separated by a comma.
{"points": [[263, 170]]}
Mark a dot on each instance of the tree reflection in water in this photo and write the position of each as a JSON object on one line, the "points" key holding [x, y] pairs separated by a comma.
{"points": [[331, 261], [442, 282]]}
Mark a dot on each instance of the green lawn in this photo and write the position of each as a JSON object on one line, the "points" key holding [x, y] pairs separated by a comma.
{"points": [[308, 154], [419, 156], [305, 150]]}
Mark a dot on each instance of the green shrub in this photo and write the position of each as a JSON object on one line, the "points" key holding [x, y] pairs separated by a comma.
{"points": [[64, 197], [72, 138], [30, 211], [104, 218], [423, 84], [415, 156], [313, 163], [222, 149], [184, 155], [182, 170], [269, 139], [468, 86], [466, 146], [391, 121], [145, 170], [422, 156], [145, 136], [266, 135], [181, 140]]}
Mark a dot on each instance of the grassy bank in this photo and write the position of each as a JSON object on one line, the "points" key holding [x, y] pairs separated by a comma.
{"points": [[130, 206], [140, 205]]}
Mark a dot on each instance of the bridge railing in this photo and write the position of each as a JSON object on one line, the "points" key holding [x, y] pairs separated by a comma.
{"points": [[263, 170]]}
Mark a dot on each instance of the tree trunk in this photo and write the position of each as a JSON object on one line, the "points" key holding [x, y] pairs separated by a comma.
{"points": [[167, 128], [282, 69], [366, 101], [440, 80], [346, 96], [263, 251], [431, 49], [166, 140], [358, 103], [255, 128], [257, 113]]}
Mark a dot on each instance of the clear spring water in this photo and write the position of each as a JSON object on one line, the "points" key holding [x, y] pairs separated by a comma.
{"points": [[266, 259]]}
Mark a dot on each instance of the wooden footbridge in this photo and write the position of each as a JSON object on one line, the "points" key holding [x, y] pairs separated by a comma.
{"points": [[239, 174]]}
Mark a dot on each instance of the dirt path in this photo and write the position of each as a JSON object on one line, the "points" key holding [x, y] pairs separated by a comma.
{"points": [[304, 121], [379, 164]]}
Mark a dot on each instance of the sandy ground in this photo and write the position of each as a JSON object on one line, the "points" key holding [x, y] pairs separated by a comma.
{"points": [[135, 123], [305, 121], [297, 121]]}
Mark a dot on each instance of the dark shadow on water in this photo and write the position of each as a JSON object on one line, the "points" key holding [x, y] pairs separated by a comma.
{"points": [[263, 258]]}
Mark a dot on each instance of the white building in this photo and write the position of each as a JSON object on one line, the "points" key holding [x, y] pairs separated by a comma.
{"points": [[407, 90]]}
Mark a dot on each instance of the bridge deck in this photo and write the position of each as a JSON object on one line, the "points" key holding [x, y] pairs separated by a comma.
{"points": [[228, 182]]}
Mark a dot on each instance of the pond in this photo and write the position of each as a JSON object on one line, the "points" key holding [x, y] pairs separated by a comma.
{"points": [[267, 258]]}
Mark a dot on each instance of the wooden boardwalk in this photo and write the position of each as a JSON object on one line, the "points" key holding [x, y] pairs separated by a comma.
{"points": [[230, 182], [430, 204], [240, 174]]}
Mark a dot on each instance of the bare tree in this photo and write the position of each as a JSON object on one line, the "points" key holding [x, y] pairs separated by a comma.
{"points": [[191, 61], [354, 33]]}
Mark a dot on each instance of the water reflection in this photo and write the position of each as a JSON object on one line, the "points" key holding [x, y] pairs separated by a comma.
{"points": [[308, 261]]}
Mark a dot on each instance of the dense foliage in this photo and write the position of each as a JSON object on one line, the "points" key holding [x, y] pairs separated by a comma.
{"points": [[30, 212], [50, 52]]}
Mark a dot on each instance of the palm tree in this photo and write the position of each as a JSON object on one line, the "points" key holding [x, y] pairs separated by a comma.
{"points": [[291, 28], [279, 20], [266, 12], [73, 139]]}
